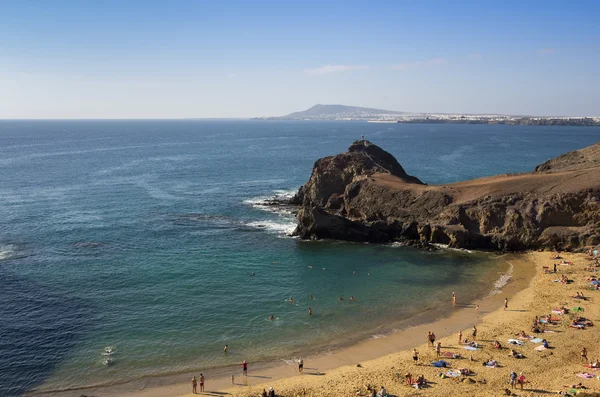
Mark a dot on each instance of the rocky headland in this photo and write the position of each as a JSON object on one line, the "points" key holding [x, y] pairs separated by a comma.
{"points": [[365, 195]]}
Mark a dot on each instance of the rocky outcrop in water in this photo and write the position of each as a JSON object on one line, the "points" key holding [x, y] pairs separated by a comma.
{"points": [[365, 195]]}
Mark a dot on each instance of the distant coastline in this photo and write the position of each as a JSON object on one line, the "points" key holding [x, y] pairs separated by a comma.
{"points": [[353, 113]]}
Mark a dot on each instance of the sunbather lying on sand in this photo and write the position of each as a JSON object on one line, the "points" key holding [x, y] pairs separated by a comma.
{"points": [[513, 353], [582, 321], [577, 386], [580, 296]]}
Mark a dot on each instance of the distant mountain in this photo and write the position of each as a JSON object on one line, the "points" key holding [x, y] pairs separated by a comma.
{"points": [[339, 112]]}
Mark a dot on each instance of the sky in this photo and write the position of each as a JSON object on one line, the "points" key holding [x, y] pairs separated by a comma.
{"points": [[216, 58]]}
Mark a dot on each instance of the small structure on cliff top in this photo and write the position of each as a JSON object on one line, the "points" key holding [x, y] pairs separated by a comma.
{"points": [[364, 194]]}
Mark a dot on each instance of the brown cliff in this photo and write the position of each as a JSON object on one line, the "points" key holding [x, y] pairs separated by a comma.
{"points": [[365, 195]]}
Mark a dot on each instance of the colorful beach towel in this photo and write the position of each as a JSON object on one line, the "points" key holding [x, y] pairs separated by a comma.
{"points": [[536, 340], [453, 373], [516, 342], [440, 364], [471, 348], [578, 309], [585, 375], [540, 348]]}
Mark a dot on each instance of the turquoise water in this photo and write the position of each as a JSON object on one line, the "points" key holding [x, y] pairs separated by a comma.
{"points": [[143, 235]]}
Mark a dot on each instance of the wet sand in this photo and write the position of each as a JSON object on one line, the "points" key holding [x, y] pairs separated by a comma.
{"points": [[319, 370], [546, 372]]}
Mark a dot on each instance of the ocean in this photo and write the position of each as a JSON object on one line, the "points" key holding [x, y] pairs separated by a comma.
{"points": [[148, 237]]}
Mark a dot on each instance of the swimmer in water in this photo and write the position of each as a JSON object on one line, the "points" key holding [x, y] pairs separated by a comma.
{"points": [[291, 300], [311, 297], [341, 298], [310, 267], [309, 311], [352, 298], [271, 317], [225, 349]]}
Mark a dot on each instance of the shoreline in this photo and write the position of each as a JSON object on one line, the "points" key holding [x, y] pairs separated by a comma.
{"points": [[558, 369], [374, 348]]}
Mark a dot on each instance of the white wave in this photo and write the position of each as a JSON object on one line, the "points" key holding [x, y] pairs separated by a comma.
{"points": [[378, 336], [278, 194], [284, 227], [285, 194], [502, 280], [446, 247], [7, 251], [293, 361]]}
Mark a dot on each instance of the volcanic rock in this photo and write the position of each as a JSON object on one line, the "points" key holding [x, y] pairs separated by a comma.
{"points": [[365, 195]]}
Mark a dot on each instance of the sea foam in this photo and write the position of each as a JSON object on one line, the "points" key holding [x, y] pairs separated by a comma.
{"points": [[502, 280], [284, 226], [7, 251]]}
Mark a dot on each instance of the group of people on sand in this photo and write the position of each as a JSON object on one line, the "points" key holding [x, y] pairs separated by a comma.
{"points": [[270, 393], [201, 380], [195, 383]]}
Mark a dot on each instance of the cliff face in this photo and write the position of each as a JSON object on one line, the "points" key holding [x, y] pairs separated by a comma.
{"points": [[365, 195]]}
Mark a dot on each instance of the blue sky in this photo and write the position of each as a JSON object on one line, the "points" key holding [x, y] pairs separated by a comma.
{"points": [[174, 59]]}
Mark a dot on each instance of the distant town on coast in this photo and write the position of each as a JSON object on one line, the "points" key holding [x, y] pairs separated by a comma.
{"points": [[355, 113]]}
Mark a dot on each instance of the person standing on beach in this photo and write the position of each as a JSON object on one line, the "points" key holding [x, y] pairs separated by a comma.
{"points": [[438, 349], [429, 338], [453, 299], [415, 356], [513, 379], [432, 339], [309, 311], [245, 368], [584, 355], [476, 308], [505, 303], [201, 383], [194, 384], [232, 380], [474, 334], [459, 337], [521, 380], [300, 365]]}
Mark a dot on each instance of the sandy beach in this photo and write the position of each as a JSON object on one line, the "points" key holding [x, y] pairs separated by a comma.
{"points": [[548, 371], [531, 292], [381, 359]]}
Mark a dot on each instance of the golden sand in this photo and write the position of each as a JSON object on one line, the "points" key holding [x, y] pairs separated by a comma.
{"points": [[384, 361], [548, 371], [545, 371]]}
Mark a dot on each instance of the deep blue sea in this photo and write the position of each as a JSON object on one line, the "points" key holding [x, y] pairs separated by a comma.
{"points": [[144, 235]]}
